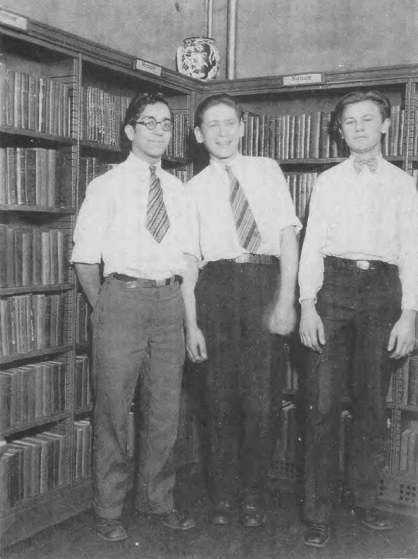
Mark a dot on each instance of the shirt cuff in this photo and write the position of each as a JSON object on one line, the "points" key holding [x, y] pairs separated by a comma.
{"points": [[82, 256], [410, 304]]}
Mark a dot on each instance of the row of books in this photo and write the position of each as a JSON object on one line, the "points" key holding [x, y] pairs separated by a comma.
{"points": [[403, 388], [408, 454], [34, 103], [32, 256], [31, 322], [32, 466], [410, 382], [82, 382], [35, 177], [31, 392], [289, 429], [286, 440], [300, 188], [181, 174], [83, 445], [415, 134], [82, 322], [309, 136], [291, 373], [178, 145], [102, 115]]}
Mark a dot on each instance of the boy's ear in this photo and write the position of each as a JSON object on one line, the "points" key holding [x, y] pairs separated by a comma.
{"points": [[130, 132], [198, 135], [241, 129], [385, 126]]}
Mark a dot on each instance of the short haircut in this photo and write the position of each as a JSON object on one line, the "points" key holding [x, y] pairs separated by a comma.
{"points": [[138, 104], [213, 101], [380, 99]]}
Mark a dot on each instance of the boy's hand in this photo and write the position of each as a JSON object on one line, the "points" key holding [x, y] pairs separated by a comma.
{"points": [[311, 328], [283, 319], [195, 344], [402, 336]]}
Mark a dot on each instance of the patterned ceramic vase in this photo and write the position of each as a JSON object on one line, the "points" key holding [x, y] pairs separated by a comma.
{"points": [[198, 58]]}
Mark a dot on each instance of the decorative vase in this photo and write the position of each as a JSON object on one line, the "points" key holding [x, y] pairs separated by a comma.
{"points": [[198, 57]]}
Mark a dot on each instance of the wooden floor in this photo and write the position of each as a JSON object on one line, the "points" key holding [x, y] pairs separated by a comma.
{"points": [[280, 538]]}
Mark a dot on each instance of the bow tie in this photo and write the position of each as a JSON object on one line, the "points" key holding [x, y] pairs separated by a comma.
{"points": [[372, 164]]}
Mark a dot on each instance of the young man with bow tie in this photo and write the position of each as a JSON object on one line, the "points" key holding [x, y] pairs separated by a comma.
{"points": [[243, 225], [359, 297], [133, 219]]}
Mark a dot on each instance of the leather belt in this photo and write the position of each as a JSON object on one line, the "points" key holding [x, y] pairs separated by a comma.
{"points": [[347, 263], [145, 282], [254, 259]]}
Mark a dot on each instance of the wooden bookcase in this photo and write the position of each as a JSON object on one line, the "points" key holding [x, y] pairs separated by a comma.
{"points": [[63, 100], [291, 124], [45, 382]]}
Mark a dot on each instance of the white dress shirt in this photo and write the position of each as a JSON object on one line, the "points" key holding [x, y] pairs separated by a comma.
{"points": [[111, 224], [212, 228], [362, 216]]}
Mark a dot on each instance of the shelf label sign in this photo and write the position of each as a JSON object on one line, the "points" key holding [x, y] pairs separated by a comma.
{"points": [[147, 67], [302, 79], [13, 20]]}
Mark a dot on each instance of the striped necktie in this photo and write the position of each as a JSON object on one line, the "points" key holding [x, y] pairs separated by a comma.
{"points": [[157, 218], [246, 226]]}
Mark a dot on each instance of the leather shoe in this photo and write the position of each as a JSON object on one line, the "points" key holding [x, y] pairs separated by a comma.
{"points": [[253, 515], [316, 535], [223, 512], [175, 520], [110, 529], [374, 519]]}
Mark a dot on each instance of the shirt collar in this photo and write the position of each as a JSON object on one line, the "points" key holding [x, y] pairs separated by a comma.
{"points": [[220, 166], [138, 164]]}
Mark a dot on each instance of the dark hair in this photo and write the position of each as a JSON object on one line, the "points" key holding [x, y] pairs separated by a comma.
{"points": [[380, 99], [138, 104], [213, 101]]}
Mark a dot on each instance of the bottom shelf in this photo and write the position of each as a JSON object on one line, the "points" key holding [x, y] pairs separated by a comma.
{"points": [[394, 493], [27, 521], [400, 493]]}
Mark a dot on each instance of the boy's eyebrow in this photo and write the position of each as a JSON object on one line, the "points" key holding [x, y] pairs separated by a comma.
{"points": [[362, 116], [221, 120]]}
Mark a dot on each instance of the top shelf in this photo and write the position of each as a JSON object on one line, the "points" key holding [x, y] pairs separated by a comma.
{"points": [[95, 57], [35, 136]]}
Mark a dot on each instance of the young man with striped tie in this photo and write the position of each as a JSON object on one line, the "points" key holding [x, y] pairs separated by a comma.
{"points": [[359, 297], [243, 224], [133, 219]]}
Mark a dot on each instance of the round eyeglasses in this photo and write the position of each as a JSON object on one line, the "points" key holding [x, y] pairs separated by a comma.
{"points": [[151, 124]]}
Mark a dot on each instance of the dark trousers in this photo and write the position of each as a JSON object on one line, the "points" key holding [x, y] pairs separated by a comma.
{"points": [[358, 309], [137, 334], [242, 385]]}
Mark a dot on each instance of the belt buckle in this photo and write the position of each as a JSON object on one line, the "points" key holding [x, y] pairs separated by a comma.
{"points": [[363, 264], [130, 284]]}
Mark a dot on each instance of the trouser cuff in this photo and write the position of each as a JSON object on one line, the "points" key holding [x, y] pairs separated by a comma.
{"points": [[111, 513]]}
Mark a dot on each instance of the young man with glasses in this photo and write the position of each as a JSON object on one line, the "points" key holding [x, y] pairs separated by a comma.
{"points": [[132, 220]]}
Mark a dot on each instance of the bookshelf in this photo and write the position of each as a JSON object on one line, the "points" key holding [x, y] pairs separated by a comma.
{"points": [[291, 125], [62, 102], [55, 138]]}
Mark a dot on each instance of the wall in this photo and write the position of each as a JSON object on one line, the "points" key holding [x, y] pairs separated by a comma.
{"points": [[282, 36], [273, 36], [151, 30]]}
